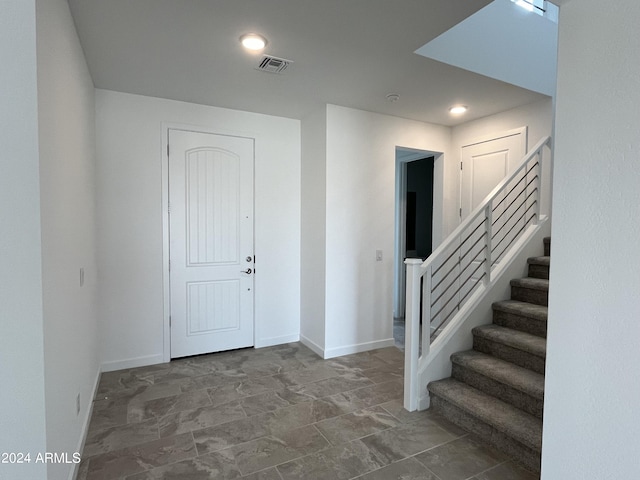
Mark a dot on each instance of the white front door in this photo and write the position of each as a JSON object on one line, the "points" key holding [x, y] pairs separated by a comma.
{"points": [[210, 242]]}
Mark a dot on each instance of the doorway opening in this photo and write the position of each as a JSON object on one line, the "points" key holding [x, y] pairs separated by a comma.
{"points": [[414, 222]]}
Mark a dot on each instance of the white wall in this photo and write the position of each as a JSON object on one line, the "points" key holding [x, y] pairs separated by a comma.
{"points": [[538, 117], [502, 41], [130, 235], [360, 207], [67, 180], [22, 408], [313, 235], [591, 423]]}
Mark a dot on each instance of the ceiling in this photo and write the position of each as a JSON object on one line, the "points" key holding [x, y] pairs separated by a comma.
{"points": [[345, 52]]}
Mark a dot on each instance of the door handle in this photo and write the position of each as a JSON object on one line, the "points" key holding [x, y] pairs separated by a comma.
{"points": [[247, 271]]}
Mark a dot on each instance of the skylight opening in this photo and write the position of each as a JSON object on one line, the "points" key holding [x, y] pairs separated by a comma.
{"points": [[540, 7], [536, 6]]}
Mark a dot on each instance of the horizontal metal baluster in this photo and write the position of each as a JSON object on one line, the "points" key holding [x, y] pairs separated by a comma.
{"points": [[455, 310], [522, 204], [459, 247], [473, 289], [456, 278], [518, 233], [514, 226], [458, 289], [509, 192], [526, 173], [524, 190], [458, 259]]}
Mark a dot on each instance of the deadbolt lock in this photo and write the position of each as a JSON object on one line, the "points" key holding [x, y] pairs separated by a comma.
{"points": [[249, 258]]}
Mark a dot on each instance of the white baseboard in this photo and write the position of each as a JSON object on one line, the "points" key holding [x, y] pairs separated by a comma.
{"points": [[269, 342], [357, 348], [85, 426], [132, 362], [313, 346]]}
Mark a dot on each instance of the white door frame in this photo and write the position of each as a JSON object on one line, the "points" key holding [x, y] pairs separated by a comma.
{"points": [[522, 131], [166, 303], [399, 283]]}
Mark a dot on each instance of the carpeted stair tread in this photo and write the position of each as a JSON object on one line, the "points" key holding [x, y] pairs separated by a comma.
{"points": [[541, 284], [538, 267], [531, 289], [537, 312], [506, 373], [526, 342], [521, 315], [543, 260], [505, 418]]}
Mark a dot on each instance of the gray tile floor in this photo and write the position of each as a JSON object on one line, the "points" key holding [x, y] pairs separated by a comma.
{"points": [[276, 413]]}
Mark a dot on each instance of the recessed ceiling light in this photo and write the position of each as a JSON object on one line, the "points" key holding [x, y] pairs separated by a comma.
{"points": [[458, 109], [253, 41]]}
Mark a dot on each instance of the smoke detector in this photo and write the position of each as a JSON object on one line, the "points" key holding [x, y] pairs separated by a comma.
{"points": [[273, 64]]}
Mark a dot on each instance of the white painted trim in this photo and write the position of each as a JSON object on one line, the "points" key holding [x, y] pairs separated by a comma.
{"points": [[357, 348], [424, 401], [268, 342], [85, 426], [132, 362], [166, 303], [165, 127], [400, 214], [314, 347], [496, 136]]}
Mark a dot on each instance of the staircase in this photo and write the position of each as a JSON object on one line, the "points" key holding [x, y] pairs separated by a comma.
{"points": [[496, 390]]}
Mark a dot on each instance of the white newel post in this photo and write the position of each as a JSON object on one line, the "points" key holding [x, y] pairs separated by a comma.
{"points": [[412, 334], [488, 223], [538, 186]]}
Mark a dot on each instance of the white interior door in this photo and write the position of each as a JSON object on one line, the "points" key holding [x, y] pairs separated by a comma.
{"points": [[484, 165], [210, 242]]}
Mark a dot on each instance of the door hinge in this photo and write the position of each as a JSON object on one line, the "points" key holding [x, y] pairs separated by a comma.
{"points": [[461, 212], [169, 265], [460, 165], [167, 149], [169, 321]]}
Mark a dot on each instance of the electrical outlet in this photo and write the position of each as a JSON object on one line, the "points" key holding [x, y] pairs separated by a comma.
{"points": [[77, 405]]}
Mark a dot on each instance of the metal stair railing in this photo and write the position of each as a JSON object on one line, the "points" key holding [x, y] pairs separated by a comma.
{"points": [[462, 265]]}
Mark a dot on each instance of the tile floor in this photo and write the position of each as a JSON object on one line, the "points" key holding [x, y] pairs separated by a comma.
{"points": [[276, 413]]}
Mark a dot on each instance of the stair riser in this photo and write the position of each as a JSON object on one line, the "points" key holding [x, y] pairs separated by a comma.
{"points": [[499, 390], [520, 323], [509, 354], [522, 453], [539, 271], [530, 295]]}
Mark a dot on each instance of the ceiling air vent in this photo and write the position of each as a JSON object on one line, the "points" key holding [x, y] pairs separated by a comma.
{"points": [[273, 64]]}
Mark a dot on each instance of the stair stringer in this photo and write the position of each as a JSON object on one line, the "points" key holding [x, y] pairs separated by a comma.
{"points": [[457, 336]]}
